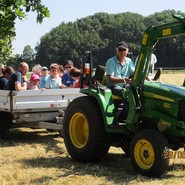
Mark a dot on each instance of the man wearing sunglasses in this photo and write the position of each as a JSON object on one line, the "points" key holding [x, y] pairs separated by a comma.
{"points": [[118, 70]]}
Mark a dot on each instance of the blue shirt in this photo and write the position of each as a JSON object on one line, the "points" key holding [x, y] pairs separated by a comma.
{"points": [[43, 80], [3, 82], [67, 80], [16, 77], [53, 83], [114, 68]]}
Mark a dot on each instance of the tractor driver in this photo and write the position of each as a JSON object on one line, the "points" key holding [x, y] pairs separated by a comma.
{"points": [[118, 70]]}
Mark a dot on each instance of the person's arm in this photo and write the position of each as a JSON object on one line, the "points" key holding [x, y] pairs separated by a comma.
{"points": [[19, 87], [63, 86], [18, 82], [114, 79], [153, 69], [60, 84], [24, 77]]}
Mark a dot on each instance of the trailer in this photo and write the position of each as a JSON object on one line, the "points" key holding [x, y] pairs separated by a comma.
{"points": [[34, 108]]}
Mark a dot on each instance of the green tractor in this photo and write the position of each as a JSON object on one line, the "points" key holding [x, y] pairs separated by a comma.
{"points": [[156, 118]]}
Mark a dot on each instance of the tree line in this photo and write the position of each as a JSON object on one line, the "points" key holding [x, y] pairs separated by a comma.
{"points": [[99, 34]]}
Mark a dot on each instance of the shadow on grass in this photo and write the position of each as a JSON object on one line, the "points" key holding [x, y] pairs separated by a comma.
{"points": [[116, 168], [18, 137]]}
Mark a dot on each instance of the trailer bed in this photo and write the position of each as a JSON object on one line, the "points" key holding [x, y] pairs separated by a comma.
{"points": [[37, 100]]}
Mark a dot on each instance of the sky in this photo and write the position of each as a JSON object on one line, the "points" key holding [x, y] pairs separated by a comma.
{"points": [[28, 32]]}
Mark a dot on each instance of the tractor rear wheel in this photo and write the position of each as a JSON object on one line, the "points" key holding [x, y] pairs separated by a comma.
{"points": [[148, 153], [84, 134]]}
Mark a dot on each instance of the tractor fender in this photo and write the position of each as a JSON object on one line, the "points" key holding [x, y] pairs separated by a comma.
{"points": [[104, 98]]}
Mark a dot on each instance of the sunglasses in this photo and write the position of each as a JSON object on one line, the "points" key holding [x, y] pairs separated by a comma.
{"points": [[122, 49]]}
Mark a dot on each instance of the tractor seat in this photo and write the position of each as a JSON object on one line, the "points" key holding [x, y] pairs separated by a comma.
{"points": [[158, 74], [100, 77]]}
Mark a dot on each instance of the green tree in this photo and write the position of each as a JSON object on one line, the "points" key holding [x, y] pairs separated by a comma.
{"points": [[28, 53], [100, 33], [10, 10]]}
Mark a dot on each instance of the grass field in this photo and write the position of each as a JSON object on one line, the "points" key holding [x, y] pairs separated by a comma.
{"points": [[173, 77], [34, 156]]}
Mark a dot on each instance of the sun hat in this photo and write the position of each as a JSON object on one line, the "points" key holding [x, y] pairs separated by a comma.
{"points": [[34, 77], [54, 65], [44, 68]]}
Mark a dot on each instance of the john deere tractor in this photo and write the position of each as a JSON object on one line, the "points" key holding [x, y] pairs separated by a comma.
{"points": [[155, 122]]}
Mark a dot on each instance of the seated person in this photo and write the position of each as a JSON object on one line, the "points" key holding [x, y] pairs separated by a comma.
{"points": [[37, 69], [75, 74], [16, 81], [61, 71], [34, 82], [7, 72], [66, 79], [54, 81], [44, 77], [118, 70]]}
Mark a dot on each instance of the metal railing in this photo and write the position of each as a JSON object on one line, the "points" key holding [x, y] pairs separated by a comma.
{"points": [[170, 68]]}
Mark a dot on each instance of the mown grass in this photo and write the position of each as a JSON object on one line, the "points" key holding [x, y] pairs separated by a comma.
{"points": [[34, 156], [173, 77]]}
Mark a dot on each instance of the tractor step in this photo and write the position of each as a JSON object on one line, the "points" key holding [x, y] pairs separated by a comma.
{"points": [[117, 125]]}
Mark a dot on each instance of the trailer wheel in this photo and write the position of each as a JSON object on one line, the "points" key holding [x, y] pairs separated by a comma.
{"points": [[5, 124], [148, 153], [3, 133], [84, 134]]}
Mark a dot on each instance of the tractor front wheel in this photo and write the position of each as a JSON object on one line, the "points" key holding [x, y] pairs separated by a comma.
{"points": [[148, 153]]}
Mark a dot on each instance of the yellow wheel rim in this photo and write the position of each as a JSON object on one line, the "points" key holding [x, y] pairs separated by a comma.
{"points": [[144, 154], [78, 130]]}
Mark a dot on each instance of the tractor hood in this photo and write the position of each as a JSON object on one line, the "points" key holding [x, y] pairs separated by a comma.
{"points": [[166, 92]]}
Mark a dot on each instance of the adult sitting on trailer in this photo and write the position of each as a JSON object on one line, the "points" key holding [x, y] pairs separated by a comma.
{"points": [[7, 72], [16, 81]]}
